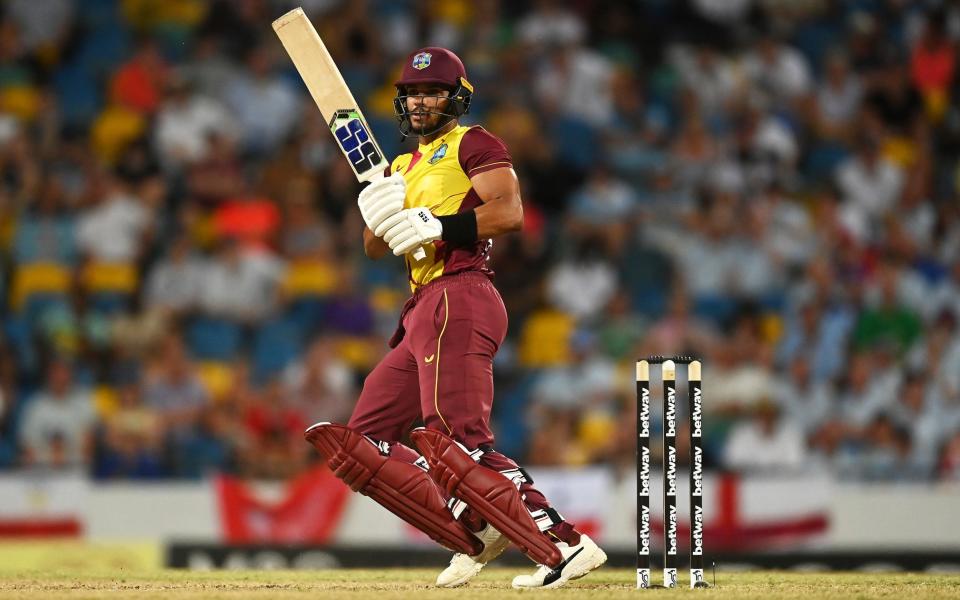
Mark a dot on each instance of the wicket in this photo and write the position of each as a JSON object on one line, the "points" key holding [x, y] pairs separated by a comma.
{"points": [[670, 518]]}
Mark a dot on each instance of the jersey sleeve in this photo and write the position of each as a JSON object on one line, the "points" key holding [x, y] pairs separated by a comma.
{"points": [[482, 151]]}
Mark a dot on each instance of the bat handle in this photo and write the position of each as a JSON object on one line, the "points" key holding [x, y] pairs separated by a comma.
{"points": [[418, 254]]}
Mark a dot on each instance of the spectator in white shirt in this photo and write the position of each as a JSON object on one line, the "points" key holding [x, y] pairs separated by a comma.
{"points": [[185, 122], [175, 283], [550, 23], [604, 207], [870, 186], [241, 285], [115, 228], [778, 69], [919, 411], [58, 422], [765, 443], [590, 379], [863, 394], [583, 285], [174, 389], [707, 75], [265, 106], [838, 98], [803, 401], [579, 82]]}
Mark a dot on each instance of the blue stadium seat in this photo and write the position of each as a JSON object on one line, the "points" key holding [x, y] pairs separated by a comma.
{"points": [[822, 160], [715, 308], [510, 413], [19, 336], [78, 95], [108, 303], [103, 52], [575, 141], [275, 344], [306, 314], [646, 274], [212, 338]]}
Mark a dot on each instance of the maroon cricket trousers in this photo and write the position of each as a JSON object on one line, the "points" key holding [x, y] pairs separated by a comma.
{"points": [[440, 369]]}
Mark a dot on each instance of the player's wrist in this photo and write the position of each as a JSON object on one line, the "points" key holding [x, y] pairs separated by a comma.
{"points": [[459, 229]]}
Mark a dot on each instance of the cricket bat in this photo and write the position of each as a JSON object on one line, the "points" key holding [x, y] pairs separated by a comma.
{"points": [[333, 98]]}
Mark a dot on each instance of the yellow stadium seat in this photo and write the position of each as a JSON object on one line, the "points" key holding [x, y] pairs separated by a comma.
{"points": [[103, 277], [22, 101], [357, 352], [202, 230], [310, 278], [596, 430], [900, 150], [105, 401], [216, 378], [149, 14], [38, 278], [113, 129], [771, 327], [545, 339], [936, 104], [386, 299]]}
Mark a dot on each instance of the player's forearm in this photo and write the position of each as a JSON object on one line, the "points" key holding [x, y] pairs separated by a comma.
{"points": [[374, 247], [501, 211], [498, 216]]}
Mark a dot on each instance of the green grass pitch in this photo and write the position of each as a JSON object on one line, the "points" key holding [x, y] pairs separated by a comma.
{"points": [[131, 571]]}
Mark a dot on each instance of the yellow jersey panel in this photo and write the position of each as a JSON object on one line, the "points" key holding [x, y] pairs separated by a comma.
{"points": [[437, 178]]}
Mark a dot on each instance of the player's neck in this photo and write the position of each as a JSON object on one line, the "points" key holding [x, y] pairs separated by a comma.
{"points": [[426, 139]]}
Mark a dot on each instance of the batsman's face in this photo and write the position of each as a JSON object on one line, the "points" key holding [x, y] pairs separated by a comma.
{"points": [[426, 102]]}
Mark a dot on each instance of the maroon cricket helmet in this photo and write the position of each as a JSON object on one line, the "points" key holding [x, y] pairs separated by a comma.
{"points": [[433, 65], [438, 66]]}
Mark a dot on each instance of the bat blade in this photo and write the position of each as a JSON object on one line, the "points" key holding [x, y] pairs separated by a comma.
{"points": [[331, 94]]}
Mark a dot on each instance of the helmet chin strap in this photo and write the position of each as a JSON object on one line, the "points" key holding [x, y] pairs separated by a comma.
{"points": [[407, 129]]}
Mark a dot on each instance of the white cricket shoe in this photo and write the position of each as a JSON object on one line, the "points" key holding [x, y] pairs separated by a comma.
{"points": [[464, 567], [577, 561]]}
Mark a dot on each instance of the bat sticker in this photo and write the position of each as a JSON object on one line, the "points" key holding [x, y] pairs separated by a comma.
{"points": [[355, 140]]}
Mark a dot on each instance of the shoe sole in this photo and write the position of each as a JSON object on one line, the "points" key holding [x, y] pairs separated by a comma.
{"points": [[462, 581], [580, 567]]}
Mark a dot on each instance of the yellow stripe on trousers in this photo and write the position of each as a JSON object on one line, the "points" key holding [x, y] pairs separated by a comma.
{"points": [[436, 377]]}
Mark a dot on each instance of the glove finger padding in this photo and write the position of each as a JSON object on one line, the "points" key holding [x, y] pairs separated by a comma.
{"points": [[405, 241], [403, 236], [407, 245], [388, 203], [381, 198], [386, 196], [391, 226]]}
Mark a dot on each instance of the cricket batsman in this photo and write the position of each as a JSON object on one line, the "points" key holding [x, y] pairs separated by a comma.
{"points": [[450, 197]]}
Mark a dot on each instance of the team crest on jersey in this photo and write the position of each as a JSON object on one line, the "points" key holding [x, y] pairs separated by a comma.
{"points": [[438, 154], [421, 61]]}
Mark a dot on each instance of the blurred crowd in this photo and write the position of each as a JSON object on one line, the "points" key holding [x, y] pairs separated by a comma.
{"points": [[772, 186]]}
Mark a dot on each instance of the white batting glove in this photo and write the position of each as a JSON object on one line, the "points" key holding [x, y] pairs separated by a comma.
{"points": [[411, 228], [382, 199]]}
